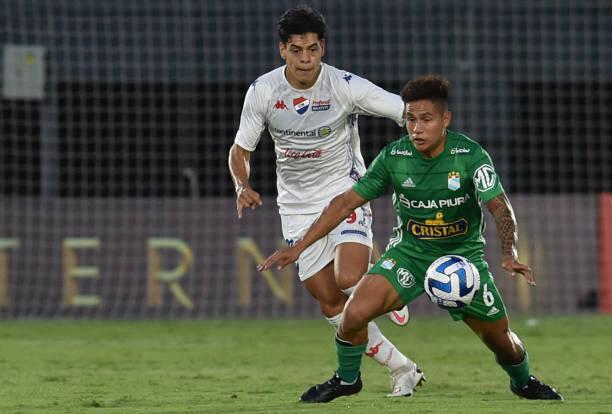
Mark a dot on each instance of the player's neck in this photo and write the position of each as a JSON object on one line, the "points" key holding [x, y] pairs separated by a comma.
{"points": [[434, 152]]}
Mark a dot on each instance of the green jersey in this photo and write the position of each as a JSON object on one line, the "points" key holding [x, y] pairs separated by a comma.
{"points": [[437, 200]]}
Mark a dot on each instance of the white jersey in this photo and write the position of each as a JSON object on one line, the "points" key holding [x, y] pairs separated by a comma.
{"points": [[315, 133]]}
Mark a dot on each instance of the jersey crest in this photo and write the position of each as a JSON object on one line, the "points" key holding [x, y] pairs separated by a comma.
{"points": [[454, 180], [301, 105]]}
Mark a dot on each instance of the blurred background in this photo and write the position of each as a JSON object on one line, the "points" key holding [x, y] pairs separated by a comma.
{"points": [[117, 116]]}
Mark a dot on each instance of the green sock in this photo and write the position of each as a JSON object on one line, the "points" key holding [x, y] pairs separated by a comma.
{"points": [[349, 359], [519, 373]]}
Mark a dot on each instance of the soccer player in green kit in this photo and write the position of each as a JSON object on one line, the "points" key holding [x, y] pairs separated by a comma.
{"points": [[440, 180]]}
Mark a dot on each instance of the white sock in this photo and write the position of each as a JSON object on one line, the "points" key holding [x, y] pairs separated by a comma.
{"points": [[335, 320], [383, 351], [379, 347]]}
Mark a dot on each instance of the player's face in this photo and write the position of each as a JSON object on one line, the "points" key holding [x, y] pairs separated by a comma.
{"points": [[426, 123], [302, 53]]}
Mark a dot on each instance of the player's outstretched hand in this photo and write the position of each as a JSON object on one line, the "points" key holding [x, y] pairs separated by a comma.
{"points": [[280, 258], [246, 197], [513, 266]]}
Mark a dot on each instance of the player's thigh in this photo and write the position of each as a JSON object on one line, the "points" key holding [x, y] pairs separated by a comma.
{"points": [[318, 255], [351, 263], [353, 241], [404, 274], [374, 296], [487, 304], [322, 286]]}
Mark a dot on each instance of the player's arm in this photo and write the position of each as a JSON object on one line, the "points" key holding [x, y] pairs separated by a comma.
{"points": [[239, 167], [370, 99], [502, 212], [252, 120], [337, 210]]}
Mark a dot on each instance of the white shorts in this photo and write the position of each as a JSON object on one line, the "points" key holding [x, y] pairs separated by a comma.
{"points": [[357, 228]]}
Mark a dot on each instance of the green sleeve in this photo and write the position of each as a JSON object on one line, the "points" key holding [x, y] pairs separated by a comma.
{"points": [[376, 180], [485, 179]]}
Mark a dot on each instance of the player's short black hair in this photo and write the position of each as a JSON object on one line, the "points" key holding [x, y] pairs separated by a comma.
{"points": [[433, 87], [299, 20]]}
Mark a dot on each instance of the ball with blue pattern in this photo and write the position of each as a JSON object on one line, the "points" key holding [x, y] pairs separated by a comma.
{"points": [[452, 281]]}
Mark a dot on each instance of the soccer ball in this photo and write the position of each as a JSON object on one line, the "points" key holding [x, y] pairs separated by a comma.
{"points": [[451, 281]]}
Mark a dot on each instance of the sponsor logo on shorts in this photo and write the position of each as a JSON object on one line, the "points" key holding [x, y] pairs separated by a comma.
{"points": [[405, 278], [388, 264]]}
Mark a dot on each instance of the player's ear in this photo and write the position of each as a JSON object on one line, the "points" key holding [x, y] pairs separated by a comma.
{"points": [[322, 47], [448, 117], [282, 50]]}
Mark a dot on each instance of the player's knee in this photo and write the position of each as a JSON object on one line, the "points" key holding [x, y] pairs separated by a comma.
{"points": [[347, 280], [332, 304], [356, 317]]}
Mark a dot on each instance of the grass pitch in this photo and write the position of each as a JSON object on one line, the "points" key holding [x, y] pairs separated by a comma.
{"points": [[263, 366]]}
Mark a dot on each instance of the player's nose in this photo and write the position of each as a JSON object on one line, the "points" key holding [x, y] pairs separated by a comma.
{"points": [[305, 56]]}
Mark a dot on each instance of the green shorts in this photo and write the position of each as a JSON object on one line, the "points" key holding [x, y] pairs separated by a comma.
{"points": [[407, 275]]}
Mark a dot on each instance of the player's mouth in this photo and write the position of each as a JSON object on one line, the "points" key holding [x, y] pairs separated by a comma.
{"points": [[418, 141]]}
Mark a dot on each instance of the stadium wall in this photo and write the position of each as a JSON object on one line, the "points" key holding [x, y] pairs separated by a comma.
{"points": [[189, 258]]}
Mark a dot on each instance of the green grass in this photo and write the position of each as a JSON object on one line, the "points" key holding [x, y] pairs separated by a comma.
{"points": [[263, 366]]}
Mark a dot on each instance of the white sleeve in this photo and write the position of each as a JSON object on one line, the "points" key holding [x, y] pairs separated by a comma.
{"points": [[369, 99], [252, 119]]}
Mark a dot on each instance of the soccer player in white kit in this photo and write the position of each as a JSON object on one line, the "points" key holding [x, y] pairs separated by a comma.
{"points": [[310, 110]]}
